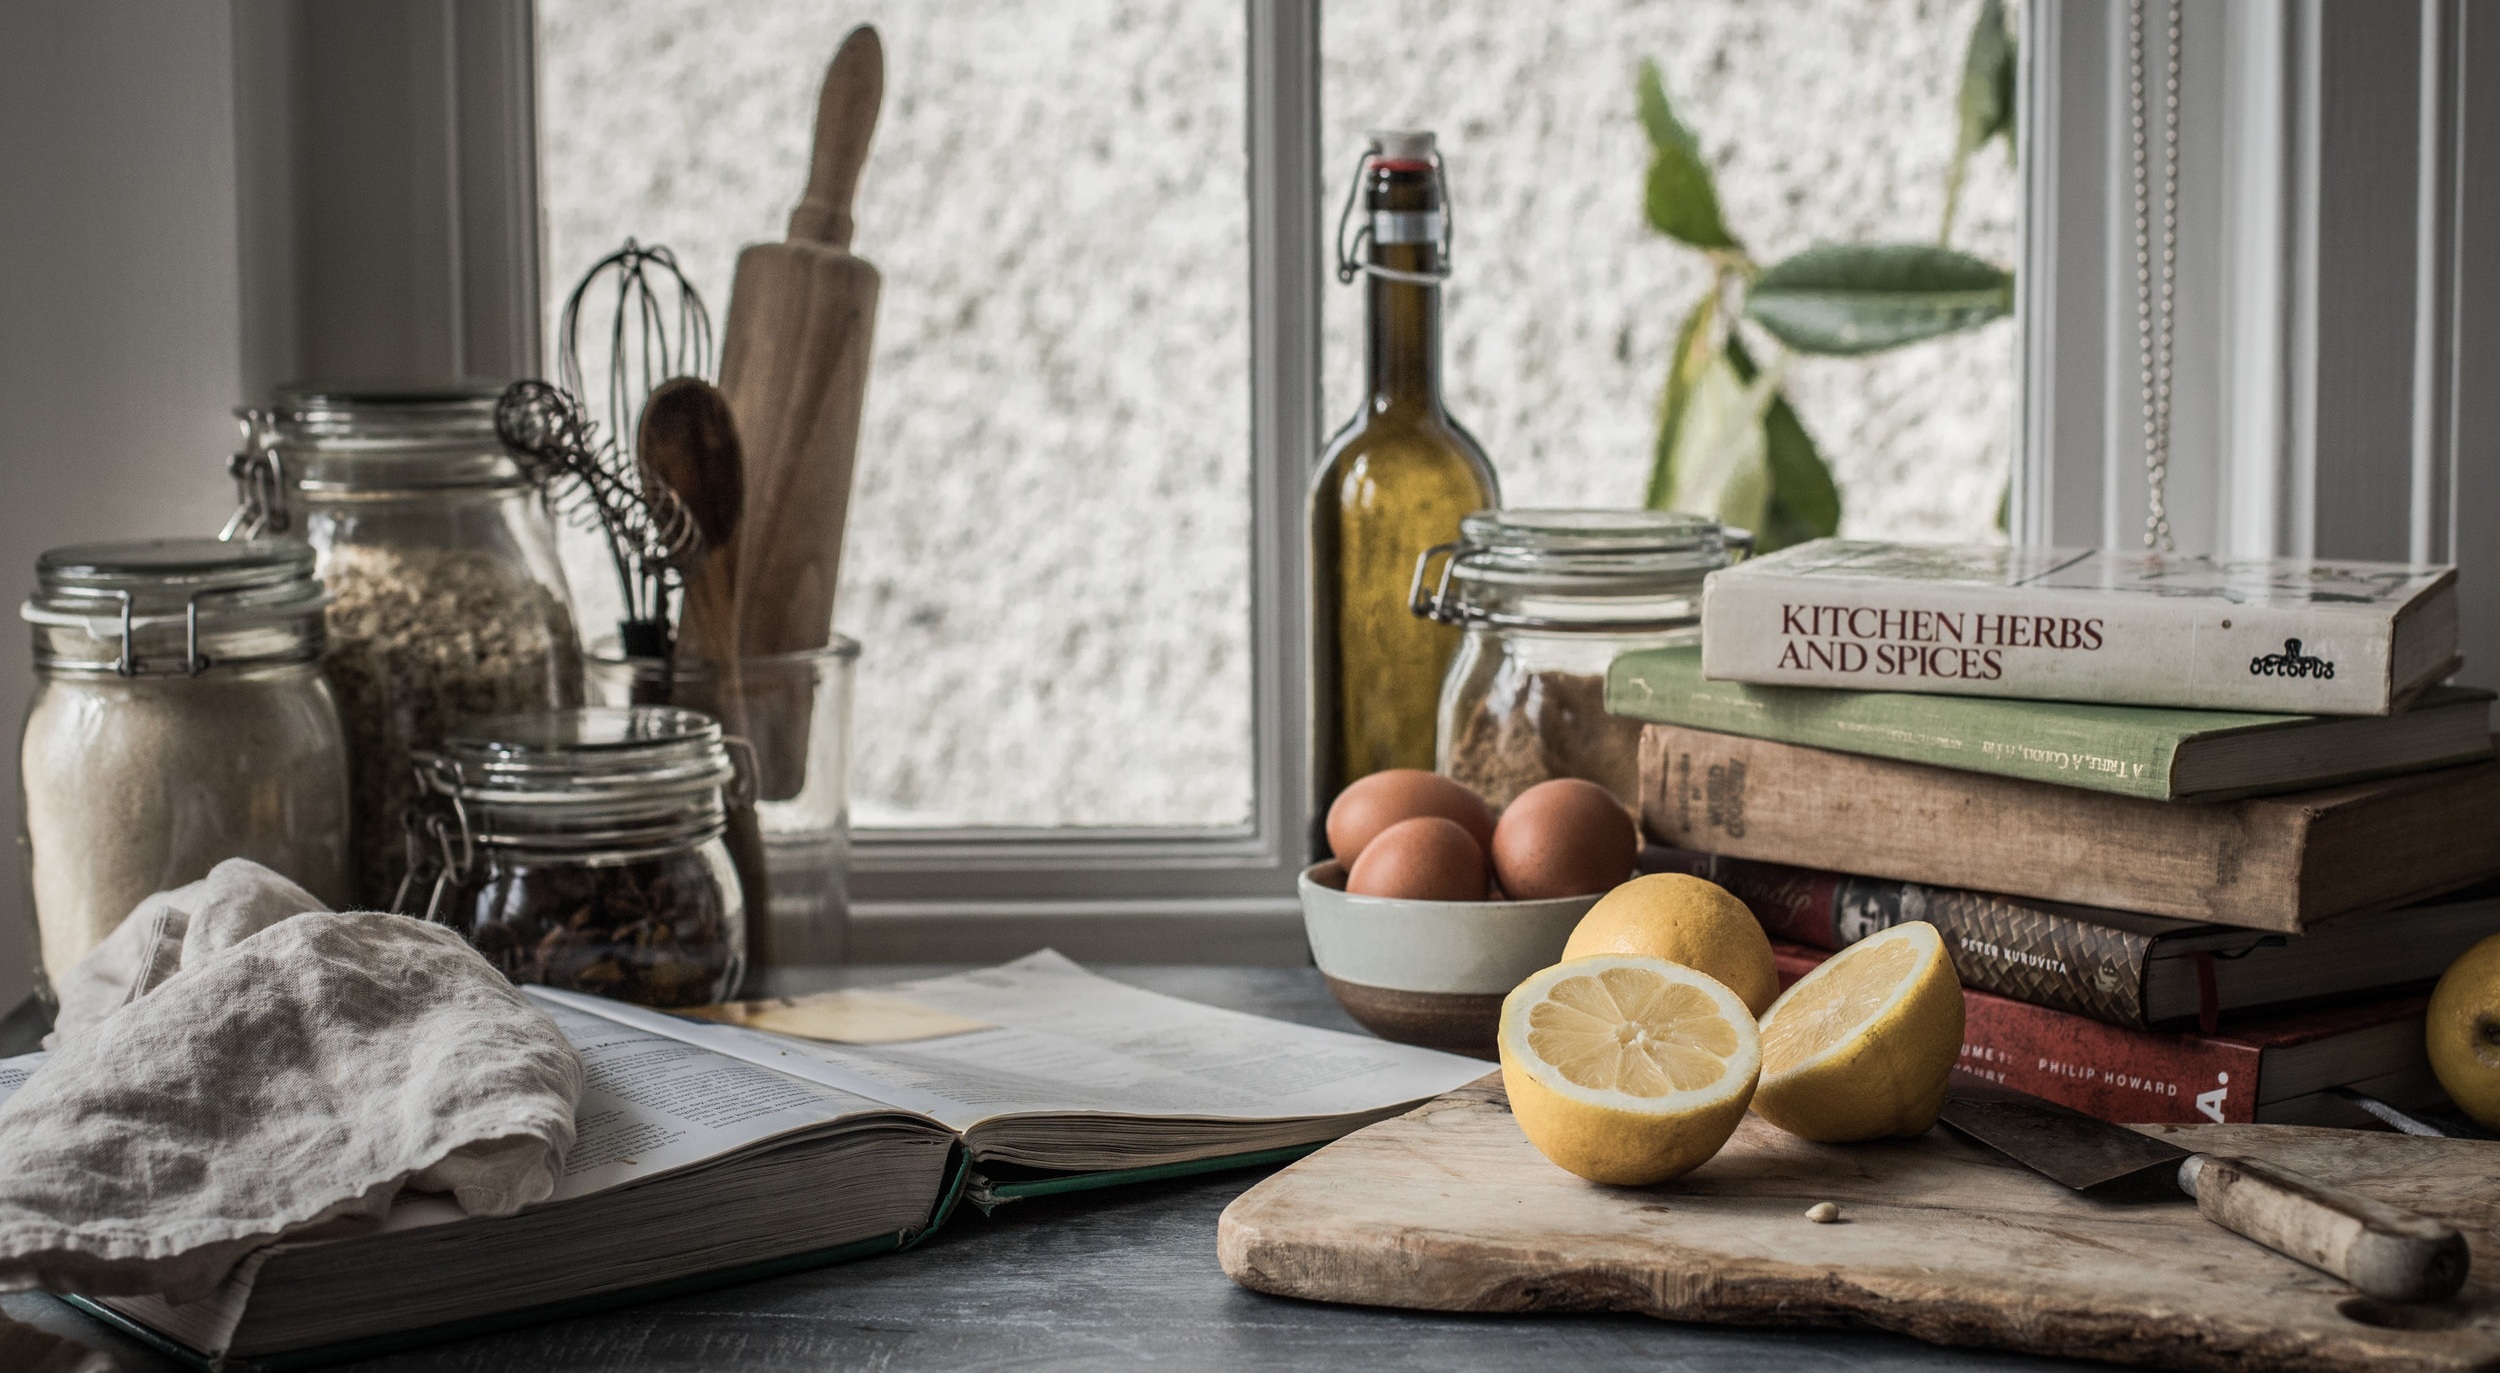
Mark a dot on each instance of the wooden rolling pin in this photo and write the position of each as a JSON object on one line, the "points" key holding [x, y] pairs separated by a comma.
{"points": [[794, 363]]}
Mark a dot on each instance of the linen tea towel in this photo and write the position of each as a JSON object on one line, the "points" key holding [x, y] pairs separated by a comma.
{"points": [[275, 1066]]}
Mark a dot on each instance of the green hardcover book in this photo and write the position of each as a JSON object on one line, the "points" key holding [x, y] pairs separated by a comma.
{"points": [[2159, 753]]}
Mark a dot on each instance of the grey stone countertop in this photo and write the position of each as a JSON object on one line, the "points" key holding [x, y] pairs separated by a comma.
{"points": [[1122, 1277]]}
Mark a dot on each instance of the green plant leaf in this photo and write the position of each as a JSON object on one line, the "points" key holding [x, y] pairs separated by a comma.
{"points": [[1805, 504], [1684, 367], [1846, 299], [1985, 103], [1719, 465], [1681, 198]]}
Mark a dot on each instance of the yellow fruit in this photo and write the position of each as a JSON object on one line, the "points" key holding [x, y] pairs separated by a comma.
{"points": [[1683, 920], [2464, 1032], [1860, 1048], [1627, 1070]]}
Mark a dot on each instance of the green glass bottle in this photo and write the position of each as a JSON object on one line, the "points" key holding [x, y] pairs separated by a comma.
{"points": [[1396, 480]]}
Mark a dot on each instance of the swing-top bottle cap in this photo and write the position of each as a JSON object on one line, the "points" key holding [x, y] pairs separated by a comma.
{"points": [[1402, 145]]}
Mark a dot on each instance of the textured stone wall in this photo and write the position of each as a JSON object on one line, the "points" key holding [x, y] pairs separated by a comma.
{"points": [[1048, 549]]}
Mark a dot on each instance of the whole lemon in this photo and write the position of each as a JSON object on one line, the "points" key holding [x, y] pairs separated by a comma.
{"points": [[1683, 920], [2464, 1032]]}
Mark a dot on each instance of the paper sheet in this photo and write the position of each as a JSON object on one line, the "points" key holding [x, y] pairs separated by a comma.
{"points": [[1066, 1041]]}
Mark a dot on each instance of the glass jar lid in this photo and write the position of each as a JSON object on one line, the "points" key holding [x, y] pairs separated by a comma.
{"points": [[145, 606], [1599, 570], [349, 440], [591, 756]]}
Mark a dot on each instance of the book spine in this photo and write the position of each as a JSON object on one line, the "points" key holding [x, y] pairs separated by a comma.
{"points": [[2129, 1076], [2008, 739], [2044, 643], [2234, 863], [2046, 958]]}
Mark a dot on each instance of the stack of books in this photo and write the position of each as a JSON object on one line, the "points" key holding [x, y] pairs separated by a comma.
{"points": [[2200, 833]]}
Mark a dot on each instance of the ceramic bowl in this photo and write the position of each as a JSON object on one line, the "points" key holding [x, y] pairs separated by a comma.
{"points": [[1430, 972]]}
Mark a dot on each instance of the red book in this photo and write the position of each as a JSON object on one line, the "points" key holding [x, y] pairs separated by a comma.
{"points": [[2277, 1069]]}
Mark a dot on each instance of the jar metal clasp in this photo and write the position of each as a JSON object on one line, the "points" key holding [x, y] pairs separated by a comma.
{"points": [[259, 482], [194, 662], [436, 775], [1438, 608]]}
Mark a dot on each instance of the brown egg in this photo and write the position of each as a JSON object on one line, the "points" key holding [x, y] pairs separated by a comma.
{"points": [[1565, 837], [1374, 803], [1423, 859]]}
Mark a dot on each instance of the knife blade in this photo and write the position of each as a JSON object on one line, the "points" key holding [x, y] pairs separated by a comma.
{"points": [[2382, 1250]]}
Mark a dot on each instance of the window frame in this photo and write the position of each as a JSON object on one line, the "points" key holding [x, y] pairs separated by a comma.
{"points": [[1181, 889], [2302, 123], [335, 279]]}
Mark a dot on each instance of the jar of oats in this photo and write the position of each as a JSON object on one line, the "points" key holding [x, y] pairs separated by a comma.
{"points": [[447, 601], [1547, 599]]}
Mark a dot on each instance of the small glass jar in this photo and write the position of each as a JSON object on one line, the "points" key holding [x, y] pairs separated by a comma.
{"points": [[1547, 599], [448, 602], [583, 849], [180, 718]]}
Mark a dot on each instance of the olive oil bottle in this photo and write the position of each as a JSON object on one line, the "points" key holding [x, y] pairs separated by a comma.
{"points": [[1394, 482]]}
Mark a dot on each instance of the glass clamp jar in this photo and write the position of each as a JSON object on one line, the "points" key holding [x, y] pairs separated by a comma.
{"points": [[583, 849], [439, 551], [1547, 598], [180, 718]]}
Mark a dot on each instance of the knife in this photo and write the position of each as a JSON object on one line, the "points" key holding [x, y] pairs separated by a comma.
{"points": [[2384, 1251]]}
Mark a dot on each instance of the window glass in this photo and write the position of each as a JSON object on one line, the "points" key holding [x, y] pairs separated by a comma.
{"points": [[1824, 120], [1048, 554]]}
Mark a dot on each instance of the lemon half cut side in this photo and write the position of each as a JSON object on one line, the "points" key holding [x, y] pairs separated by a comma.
{"points": [[1625, 1069], [1860, 1048]]}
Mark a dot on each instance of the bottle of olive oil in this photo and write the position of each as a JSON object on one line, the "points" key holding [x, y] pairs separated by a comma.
{"points": [[1394, 482]]}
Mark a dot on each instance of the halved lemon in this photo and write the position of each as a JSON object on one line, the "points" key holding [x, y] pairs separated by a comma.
{"points": [[1860, 1047], [1625, 1069]]}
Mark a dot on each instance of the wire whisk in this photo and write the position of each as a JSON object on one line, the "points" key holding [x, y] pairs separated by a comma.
{"points": [[650, 535], [657, 328], [671, 333]]}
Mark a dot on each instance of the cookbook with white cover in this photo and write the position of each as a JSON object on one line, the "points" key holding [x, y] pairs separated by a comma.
{"points": [[2295, 635]]}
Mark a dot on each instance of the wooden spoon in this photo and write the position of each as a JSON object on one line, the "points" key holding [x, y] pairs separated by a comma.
{"points": [[688, 442]]}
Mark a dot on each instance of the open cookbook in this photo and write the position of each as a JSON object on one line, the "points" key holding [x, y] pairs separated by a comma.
{"points": [[710, 1151]]}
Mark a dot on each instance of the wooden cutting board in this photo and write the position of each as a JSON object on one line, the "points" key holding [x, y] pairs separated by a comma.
{"points": [[1448, 1208]]}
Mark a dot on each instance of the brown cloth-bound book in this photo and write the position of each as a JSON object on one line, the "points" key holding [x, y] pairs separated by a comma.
{"points": [[2118, 967], [2271, 862]]}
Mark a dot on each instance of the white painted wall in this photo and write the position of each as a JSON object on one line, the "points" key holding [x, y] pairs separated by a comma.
{"points": [[118, 326]]}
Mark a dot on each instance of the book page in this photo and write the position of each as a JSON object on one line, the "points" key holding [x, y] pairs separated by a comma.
{"points": [[15, 1071], [652, 1103], [1062, 1041]]}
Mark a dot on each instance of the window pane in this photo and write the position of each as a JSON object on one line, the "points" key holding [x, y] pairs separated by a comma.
{"points": [[1048, 557], [1824, 120]]}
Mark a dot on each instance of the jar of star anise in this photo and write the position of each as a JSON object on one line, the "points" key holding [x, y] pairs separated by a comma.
{"points": [[583, 849]]}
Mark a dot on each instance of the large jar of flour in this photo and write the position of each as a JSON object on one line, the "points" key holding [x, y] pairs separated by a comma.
{"points": [[180, 718]]}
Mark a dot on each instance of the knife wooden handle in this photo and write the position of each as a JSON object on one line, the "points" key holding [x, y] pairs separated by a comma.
{"points": [[846, 114], [2384, 1251]]}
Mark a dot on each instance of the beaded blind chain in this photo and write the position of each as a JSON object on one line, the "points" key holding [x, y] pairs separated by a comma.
{"points": [[2154, 312]]}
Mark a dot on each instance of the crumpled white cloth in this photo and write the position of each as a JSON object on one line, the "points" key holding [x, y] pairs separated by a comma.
{"points": [[236, 1062]]}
